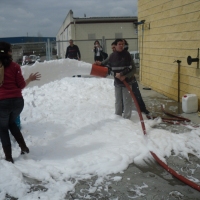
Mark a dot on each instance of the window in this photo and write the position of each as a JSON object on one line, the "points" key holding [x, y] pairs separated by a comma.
{"points": [[91, 36], [132, 55], [118, 35], [137, 56]]}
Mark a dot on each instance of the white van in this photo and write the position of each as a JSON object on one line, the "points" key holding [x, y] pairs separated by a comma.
{"points": [[136, 57]]}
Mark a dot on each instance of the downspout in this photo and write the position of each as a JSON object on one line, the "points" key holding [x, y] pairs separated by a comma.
{"points": [[140, 45], [179, 64], [145, 88], [142, 49], [74, 29]]}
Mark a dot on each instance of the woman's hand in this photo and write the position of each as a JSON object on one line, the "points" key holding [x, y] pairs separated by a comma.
{"points": [[35, 76]]}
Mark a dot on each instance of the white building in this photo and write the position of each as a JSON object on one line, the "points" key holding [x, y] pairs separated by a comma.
{"points": [[84, 31]]}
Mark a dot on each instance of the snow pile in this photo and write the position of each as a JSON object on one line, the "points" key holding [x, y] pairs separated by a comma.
{"points": [[72, 132]]}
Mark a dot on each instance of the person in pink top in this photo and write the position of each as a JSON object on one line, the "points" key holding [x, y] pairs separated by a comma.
{"points": [[11, 100]]}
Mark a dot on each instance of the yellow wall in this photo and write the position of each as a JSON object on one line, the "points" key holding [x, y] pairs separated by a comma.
{"points": [[174, 34]]}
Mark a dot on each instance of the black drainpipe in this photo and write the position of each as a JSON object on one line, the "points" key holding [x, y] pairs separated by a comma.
{"points": [[179, 64]]}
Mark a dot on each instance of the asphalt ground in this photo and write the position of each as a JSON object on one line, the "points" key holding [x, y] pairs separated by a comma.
{"points": [[149, 182]]}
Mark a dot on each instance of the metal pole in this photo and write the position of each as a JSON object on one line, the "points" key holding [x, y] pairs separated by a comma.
{"points": [[145, 88], [103, 43], [179, 64], [46, 44], [51, 53], [198, 59], [178, 61], [58, 48], [48, 49]]}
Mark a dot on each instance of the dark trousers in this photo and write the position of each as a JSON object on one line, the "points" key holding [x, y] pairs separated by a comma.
{"points": [[98, 58], [75, 59], [136, 92], [9, 110]]}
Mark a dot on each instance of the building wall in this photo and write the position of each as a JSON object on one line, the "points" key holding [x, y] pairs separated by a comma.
{"points": [[63, 33], [21, 40], [104, 31], [80, 34], [171, 32]]}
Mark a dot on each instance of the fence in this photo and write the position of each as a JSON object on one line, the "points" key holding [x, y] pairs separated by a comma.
{"points": [[86, 47], [56, 50]]}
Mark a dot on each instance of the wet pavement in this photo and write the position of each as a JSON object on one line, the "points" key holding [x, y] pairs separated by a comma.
{"points": [[150, 182]]}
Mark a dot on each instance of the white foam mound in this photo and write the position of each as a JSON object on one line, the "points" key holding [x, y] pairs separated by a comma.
{"points": [[56, 70]]}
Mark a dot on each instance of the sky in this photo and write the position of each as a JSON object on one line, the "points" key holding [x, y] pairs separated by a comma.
{"points": [[45, 17], [73, 134]]}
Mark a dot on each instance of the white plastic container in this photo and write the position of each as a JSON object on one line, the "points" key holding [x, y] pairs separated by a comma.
{"points": [[190, 103]]}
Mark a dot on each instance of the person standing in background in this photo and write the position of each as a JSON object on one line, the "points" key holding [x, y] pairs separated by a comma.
{"points": [[125, 44], [105, 62], [97, 51], [73, 51]]}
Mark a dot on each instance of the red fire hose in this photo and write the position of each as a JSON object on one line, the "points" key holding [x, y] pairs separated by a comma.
{"points": [[166, 167], [174, 120]]}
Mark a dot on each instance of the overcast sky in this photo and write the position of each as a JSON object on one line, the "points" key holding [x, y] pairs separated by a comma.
{"points": [[45, 17]]}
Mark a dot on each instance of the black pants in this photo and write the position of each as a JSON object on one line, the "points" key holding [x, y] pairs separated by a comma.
{"points": [[75, 59], [98, 58], [9, 110], [136, 92]]}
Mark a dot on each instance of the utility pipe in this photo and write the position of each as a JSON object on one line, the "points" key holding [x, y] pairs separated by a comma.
{"points": [[179, 64]]}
